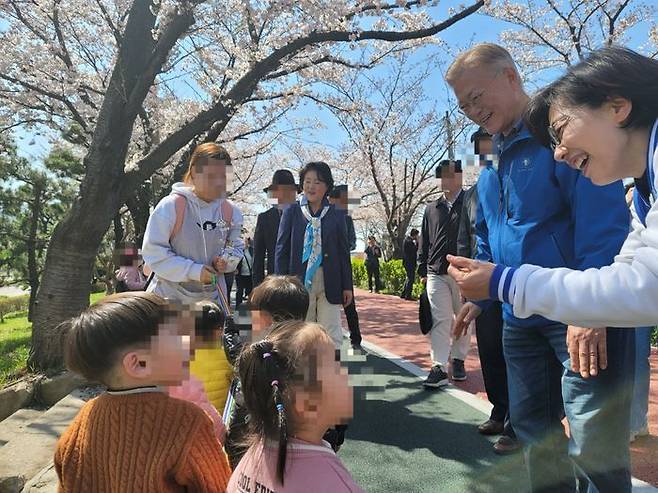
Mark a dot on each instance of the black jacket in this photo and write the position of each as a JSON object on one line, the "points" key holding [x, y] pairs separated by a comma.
{"points": [[409, 252], [466, 239], [438, 236], [267, 229], [351, 233]]}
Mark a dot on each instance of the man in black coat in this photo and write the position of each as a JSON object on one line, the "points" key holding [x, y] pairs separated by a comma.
{"points": [[281, 192], [339, 197], [489, 325], [409, 253]]}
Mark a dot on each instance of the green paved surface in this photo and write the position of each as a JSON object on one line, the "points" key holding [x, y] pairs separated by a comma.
{"points": [[406, 439]]}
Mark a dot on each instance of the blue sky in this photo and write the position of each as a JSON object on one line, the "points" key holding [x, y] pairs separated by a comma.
{"points": [[475, 28]]}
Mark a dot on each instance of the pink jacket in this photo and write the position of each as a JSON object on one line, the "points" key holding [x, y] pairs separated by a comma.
{"points": [[132, 276], [308, 468], [192, 390]]}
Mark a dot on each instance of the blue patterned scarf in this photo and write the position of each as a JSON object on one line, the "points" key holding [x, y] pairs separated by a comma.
{"points": [[312, 252]]}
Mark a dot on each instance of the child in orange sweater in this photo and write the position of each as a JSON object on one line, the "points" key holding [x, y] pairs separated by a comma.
{"points": [[134, 437]]}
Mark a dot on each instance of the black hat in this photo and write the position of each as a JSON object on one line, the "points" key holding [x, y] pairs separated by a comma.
{"points": [[281, 177]]}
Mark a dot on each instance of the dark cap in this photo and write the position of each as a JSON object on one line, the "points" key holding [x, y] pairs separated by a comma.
{"points": [[282, 177]]}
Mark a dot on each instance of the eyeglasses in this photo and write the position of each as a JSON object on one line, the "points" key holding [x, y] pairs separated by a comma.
{"points": [[556, 135]]}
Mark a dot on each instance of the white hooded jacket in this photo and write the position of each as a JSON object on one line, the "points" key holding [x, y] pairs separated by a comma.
{"points": [[178, 261]]}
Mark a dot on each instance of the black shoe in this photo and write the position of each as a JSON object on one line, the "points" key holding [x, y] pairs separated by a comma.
{"points": [[436, 378], [491, 427], [506, 445], [458, 371]]}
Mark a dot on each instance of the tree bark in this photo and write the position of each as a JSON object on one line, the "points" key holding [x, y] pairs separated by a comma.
{"points": [[66, 281], [32, 269]]}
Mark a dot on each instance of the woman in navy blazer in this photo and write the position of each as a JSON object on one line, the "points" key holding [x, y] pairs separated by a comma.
{"points": [[312, 245]]}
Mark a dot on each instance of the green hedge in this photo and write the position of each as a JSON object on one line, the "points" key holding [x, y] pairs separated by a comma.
{"points": [[392, 276]]}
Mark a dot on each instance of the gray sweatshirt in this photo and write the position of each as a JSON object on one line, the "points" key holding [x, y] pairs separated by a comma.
{"points": [[177, 262]]}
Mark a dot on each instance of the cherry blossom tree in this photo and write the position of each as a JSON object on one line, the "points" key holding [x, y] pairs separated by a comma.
{"points": [[396, 137], [554, 33], [112, 76]]}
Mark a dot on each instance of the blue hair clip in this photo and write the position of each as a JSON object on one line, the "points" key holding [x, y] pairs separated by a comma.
{"points": [[279, 407]]}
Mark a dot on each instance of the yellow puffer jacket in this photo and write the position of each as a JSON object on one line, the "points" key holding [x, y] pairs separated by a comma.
{"points": [[214, 370]]}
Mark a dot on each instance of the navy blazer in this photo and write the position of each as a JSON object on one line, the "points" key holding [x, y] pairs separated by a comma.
{"points": [[336, 264]]}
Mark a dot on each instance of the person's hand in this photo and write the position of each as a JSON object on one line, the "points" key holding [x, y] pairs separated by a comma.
{"points": [[587, 350], [472, 276], [423, 280], [468, 313], [219, 264], [207, 274], [347, 297]]}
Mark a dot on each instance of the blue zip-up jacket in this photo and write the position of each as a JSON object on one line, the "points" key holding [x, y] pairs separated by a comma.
{"points": [[533, 210]]}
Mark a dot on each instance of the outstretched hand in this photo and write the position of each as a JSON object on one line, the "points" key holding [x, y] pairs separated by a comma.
{"points": [[472, 276]]}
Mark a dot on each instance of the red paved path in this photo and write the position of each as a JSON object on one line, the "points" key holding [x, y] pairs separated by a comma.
{"points": [[392, 324]]}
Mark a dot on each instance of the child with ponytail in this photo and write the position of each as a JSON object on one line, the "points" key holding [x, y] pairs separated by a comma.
{"points": [[294, 390]]}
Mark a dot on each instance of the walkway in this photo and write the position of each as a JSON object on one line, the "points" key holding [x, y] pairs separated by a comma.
{"points": [[391, 324]]}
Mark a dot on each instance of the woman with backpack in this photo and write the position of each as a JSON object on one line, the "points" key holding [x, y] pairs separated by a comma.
{"points": [[192, 239]]}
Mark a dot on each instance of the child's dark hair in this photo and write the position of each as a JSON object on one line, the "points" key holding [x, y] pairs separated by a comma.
{"points": [[323, 171], [283, 297], [268, 369], [608, 72], [208, 320], [95, 338]]}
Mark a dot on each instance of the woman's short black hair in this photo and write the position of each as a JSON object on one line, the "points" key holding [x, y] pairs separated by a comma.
{"points": [[323, 171], [609, 72]]}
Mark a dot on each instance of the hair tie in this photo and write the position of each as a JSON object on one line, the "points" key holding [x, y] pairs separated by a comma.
{"points": [[266, 355], [279, 407], [274, 382]]}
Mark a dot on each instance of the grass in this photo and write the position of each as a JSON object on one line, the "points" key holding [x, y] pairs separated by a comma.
{"points": [[15, 337]]}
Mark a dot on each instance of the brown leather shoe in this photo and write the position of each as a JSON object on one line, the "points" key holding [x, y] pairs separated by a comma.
{"points": [[491, 427], [506, 445]]}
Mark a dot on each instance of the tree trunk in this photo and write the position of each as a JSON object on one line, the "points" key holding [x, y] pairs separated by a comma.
{"points": [[66, 281], [139, 205], [32, 269]]}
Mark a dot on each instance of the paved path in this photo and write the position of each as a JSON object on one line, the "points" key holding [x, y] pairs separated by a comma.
{"points": [[391, 323]]}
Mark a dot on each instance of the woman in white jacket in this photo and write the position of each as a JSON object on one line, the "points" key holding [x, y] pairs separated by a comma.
{"points": [[193, 235], [601, 117]]}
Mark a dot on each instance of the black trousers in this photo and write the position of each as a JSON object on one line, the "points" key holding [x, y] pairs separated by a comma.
{"points": [[373, 271], [244, 288], [228, 278], [409, 283], [353, 321], [489, 333]]}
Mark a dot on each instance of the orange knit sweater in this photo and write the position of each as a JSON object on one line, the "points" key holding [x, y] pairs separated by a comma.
{"points": [[143, 443]]}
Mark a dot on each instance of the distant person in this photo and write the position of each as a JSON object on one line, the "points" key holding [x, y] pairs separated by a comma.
{"points": [[373, 254], [339, 198], [409, 255], [281, 193], [129, 276], [244, 273]]}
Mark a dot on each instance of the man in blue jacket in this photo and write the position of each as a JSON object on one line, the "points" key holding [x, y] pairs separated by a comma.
{"points": [[534, 211]]}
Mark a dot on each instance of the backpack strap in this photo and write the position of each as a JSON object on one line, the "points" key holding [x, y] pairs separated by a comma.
{"points": [[180, 215], [227, 212]]}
